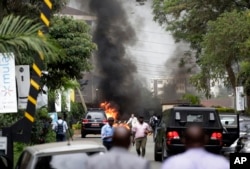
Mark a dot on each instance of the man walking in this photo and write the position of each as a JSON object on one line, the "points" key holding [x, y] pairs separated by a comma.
{"points": [[60, 127], [132, 121], [140, 132], [196, 157], [118, 157], [107, 133]]}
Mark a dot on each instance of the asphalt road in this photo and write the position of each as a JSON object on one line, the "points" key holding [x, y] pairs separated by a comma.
{"points": [[149, 149]]}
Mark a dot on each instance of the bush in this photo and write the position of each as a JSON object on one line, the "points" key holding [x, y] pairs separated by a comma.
{"points": [[77, 126]]}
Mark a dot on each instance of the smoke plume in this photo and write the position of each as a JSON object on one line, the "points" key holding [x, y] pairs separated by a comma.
{"points": [[112, 34], [181, 65]]}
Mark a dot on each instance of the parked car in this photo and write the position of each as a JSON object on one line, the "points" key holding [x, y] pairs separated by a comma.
{"points": [[168, 139], [94, 120], [61, 155]]}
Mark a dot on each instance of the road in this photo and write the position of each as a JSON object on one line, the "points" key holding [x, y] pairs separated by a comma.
{"points": [[149, 149]]}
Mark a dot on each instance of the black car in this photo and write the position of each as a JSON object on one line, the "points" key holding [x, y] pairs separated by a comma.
{"points": [[169, 132], [93, 122]]}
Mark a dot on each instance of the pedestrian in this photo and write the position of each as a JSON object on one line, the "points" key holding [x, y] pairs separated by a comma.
{"points": [[196, 156], [107, 133], [153, 122], [132, 121], [119, 156], [139, 133], [60, 127]]}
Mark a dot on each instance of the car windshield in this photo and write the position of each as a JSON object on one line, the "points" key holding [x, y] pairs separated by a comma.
{"points": [[95, 115], [63, 161]]}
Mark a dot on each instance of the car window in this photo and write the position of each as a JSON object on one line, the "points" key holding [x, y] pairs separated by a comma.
{"points": [[63, 161], [194, 117], [95, 115], [24, 160], [228, 120]]}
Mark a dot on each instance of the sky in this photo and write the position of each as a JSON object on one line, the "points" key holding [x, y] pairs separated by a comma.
{"points": [[154, 45]]}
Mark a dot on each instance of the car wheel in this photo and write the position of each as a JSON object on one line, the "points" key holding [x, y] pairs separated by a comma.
{"points": [[84, 135], [157, 154]]}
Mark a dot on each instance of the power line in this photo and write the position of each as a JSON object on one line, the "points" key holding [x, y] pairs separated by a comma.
{"points": [[144, 51]]}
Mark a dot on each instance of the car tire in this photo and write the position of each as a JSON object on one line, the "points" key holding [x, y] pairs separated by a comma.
{"points": [[84, 135], [157, 155]]}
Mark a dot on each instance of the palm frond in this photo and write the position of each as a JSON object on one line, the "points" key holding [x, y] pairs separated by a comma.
{"points": [[19, 33]]}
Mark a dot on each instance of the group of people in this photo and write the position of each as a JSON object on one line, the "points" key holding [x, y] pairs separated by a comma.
{"points": [[195, 157], [139, 128]]}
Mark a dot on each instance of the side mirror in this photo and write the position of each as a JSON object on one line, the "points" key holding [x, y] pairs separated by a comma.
{"points": [[5, 162]]}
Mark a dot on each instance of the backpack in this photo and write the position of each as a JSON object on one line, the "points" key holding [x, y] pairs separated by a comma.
{"points": [[59, 129]]}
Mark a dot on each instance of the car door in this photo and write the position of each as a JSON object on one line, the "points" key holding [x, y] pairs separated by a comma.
{"points": [[230, 123]]}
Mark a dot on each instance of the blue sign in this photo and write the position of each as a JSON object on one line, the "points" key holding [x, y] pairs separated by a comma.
{"points": [[54, 117]]}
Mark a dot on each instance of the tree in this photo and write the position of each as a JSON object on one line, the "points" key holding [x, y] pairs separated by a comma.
{"points": [[187, 19], [224, 46], [20, 33], [75, 39], [191, 98], [28, 8]]}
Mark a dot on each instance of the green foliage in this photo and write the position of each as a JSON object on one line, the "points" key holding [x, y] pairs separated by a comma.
{"points": [[19, 33], [77, 126], [192, 99], [76, 41], [224, 110], [18, 148], [29, 8]]}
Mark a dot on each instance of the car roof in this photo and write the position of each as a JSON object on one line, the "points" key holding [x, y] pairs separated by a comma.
{"points": [[57, 147], [195, 108]]}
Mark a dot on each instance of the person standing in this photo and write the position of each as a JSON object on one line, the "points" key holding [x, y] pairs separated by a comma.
{"points": [[107, 133], [60, 127], [119, 156], [196, 156], [140, 132], [132, 121]]}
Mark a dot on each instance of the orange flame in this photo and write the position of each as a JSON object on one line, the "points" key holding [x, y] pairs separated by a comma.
{"points": [[110, 110]]}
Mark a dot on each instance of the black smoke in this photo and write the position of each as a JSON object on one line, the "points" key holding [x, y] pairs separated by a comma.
{"points": [[112, 34], [181, 65]]}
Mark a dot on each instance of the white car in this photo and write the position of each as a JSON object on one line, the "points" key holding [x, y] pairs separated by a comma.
{"points": [[58, 155]]}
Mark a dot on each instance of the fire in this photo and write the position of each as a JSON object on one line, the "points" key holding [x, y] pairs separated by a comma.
{"points": [[110, 110]]}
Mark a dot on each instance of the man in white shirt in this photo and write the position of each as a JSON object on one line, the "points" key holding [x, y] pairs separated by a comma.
{"points": [[60, 127], [196, 157], [118, 157], [132, 121]]}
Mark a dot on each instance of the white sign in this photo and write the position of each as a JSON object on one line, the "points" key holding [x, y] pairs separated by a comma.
{"points": [[240, 101], [67, 99], [23, 85], [42, 98], [58, 101], [8, 98], [3, 145]]}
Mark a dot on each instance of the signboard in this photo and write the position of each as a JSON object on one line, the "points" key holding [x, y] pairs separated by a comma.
{"points": [[54, 117], [8, 98], [3, 145], [67, 94], [240, 101], [58, 101], [42, 98], [23, 85]]}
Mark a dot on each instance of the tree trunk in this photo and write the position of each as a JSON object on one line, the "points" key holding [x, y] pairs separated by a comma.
{"points": [[231, 75]]}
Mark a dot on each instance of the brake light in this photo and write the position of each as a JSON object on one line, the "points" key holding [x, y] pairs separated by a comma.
{"points": [[173, 135], [216, 136], [84, 121], [105, 121]]}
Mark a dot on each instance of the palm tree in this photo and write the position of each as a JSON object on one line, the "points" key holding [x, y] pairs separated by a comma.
{"points": [[18, 34]]}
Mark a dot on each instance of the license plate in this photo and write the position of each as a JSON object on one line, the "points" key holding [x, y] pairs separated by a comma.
{"points": [[95, 124]]}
